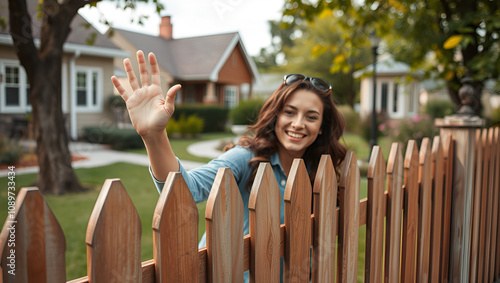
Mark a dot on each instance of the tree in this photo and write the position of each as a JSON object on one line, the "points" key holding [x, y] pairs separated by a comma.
{"points": [[332, 48], [43, 68], [445, 38]]}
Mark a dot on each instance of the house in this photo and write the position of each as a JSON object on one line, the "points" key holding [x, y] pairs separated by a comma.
{"points": [[397, 89], [213, 69], [86, 72]]}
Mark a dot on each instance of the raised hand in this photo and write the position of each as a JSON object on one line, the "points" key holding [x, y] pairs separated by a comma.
{"points": [[149, 111]]}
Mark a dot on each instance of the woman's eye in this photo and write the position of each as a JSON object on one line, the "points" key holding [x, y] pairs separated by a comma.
{"points": [[312, 118], [288, 112]]}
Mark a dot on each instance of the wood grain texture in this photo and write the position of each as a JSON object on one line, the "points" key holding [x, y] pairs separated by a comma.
{"points": [[394, 213], [492, 139], [437, 208], [375, 212], [497, 186], [298, 199], [410, 213], [349, 220], [224, 224], [114, 237], [449, 156], [325, 221], [484, 203], [264, 220], [175, 232], [36, 239], [425, 207], [476, 209]]}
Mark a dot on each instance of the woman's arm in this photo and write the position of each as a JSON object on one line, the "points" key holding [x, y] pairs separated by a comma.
{"points": [[150, 113]]}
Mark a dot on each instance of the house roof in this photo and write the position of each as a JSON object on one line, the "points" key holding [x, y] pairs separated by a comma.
{"points": [[193, 58], [81, 30], [387, 66]]}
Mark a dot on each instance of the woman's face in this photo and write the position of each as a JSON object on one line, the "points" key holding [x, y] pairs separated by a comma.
{"points": [[299, 123]]}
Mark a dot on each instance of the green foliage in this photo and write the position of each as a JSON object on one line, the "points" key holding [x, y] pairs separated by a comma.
{"points": [[246, 112], [416, 128], [495, 117], [351, 118], [173, 127], [118, 138], [437, 108], [366, 126], [190, 126], [10, 151], [214, 116]]}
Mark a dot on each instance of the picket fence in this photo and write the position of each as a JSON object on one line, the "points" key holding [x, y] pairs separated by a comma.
{"points": [[407, 225]]}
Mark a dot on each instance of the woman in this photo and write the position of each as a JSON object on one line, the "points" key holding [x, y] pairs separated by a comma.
{"points": [[299, 120]]}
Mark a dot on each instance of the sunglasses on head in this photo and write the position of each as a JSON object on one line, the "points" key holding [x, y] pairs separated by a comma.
{"points": [[318, 83]]}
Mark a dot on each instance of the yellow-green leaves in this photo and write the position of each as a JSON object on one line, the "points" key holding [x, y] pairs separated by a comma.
{"points": [[452, 41]]}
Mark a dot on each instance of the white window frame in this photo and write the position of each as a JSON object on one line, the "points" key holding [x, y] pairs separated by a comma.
{"points": [[231, 92], [391, 83], [23, 106], [89, 107]]}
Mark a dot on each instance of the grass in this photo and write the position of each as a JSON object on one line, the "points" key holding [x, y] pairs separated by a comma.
{"points": [[73, 210]]}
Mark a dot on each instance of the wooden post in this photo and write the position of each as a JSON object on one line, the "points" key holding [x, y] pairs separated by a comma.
{"points": [[462, 129]]}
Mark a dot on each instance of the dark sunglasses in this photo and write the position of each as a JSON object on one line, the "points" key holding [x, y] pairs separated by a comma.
{"points": [[318, 83]]}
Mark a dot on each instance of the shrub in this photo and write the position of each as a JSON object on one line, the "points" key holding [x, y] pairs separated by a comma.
{"points": [[416, 128], [190, 126], [194, 125], [10, 151], [214, 116], [246, 112], [438, 108], [351, 118], [173, 127], [117, 138], [366, 125], [495, 116]]}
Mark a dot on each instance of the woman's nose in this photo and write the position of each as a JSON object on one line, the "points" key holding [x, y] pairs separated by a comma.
{"points": [[298, 122]]}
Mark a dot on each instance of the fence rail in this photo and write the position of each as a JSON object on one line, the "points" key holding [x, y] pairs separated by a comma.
{"points": [[413, 241]]}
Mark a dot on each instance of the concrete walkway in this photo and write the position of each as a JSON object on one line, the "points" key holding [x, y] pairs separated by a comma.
{"points": [[98, 155]]}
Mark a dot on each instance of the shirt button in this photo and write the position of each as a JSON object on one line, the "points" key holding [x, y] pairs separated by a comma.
{"points": [[283, 182]]}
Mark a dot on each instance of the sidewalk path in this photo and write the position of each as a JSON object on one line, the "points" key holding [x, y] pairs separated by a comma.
{"points": [[97, 155]]}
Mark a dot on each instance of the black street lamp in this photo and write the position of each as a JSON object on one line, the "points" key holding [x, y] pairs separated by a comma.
{"points": [[374, 42]]}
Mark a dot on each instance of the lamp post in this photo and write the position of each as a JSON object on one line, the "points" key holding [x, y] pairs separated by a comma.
{"points": [[374, 42]]}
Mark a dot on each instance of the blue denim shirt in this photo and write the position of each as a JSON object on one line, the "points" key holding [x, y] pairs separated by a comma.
{"points": [[200, 180]]}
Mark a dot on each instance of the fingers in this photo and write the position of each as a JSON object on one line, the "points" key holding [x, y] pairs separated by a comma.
{"points": [[143, 68], [134, 83], [171, 94], [155, 70], [120, 88]]}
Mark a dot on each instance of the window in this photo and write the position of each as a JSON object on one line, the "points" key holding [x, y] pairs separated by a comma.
{"points": [[230, 96], [385, 91], [88, 89], [395, 98], [14, 89]]}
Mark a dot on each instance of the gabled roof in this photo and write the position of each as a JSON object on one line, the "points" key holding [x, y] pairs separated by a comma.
{"points": [[81, 30], [387, 66], [193, 58]]}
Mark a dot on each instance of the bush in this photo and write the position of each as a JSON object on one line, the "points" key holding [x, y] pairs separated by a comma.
{"points": [[190, 126], [366, 126], [117, 138], [246, 112], [416, 128], [351, 118], [10, 151], [495, 116], [437, 108], [214, 116]]}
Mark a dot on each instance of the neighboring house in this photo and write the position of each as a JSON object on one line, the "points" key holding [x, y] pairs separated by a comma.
{"points": [[86, 73], [213, 69], [397, 89]]}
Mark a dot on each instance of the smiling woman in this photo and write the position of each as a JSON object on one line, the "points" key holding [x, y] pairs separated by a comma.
{"points": [[299, 120]]}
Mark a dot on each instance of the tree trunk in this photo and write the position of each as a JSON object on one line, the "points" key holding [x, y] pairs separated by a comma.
{"points": [[43, 68]]}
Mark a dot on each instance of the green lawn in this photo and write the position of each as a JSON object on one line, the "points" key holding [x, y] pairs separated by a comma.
{"points": [[73, 210]]}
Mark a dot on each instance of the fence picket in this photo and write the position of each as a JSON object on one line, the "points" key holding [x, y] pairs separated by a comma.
{"points": [[449, 157], [298, 198], [394, 211], [325, 221], [484, 201], [264, 220], [410, 213], [114, 237], [349, 220], [224, 224], [497, 186], [437, 208], [489, 206], [175, 233], [375, 217], [476, 209], [425, 206], [494, 204], [39, 243]]}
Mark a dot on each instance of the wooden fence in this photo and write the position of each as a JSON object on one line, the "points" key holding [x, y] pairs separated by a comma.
{"points": [[411, 245]]}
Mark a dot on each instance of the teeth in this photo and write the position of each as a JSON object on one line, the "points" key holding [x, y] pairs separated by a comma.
{"points": [[295, 135]]}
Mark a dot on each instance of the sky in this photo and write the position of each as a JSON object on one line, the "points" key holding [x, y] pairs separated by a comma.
{"points": [[198, 17]]}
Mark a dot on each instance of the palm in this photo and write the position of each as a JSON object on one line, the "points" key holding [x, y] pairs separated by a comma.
{"points": [[149, 111]]}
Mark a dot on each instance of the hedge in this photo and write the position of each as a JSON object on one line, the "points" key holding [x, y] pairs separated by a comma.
{"points": [[214, 116]]}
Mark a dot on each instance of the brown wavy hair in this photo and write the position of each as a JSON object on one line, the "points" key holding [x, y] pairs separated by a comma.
{"points": [[262, 141]]}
